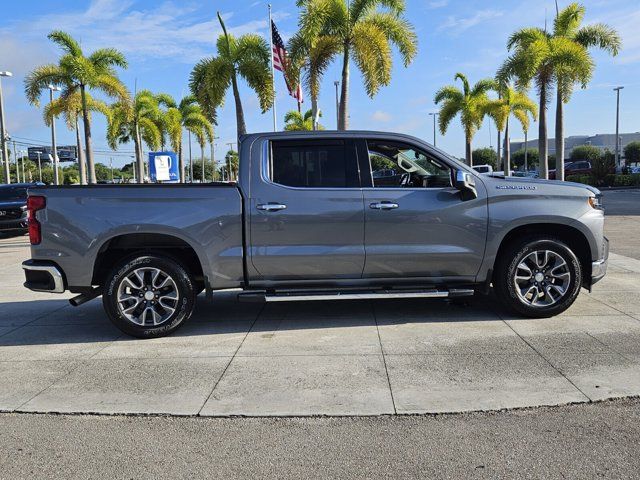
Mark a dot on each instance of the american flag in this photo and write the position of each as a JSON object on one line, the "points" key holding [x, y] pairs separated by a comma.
{"points": [[281, 62]]}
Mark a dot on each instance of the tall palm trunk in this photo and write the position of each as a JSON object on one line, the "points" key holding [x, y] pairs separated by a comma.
{"points": [[467, 150], [507, 150], [181, 164], [498, 149], [542, 133], [202, 160], [241, 125], [139, 160], [81, 165], [87, 136], [343, 117], [560, 136], [314, 111]]}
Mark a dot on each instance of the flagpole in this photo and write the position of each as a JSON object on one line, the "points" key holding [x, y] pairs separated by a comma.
{"points": [[273, 73]]}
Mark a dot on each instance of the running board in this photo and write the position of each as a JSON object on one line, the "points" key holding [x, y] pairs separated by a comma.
{"points": [[299, 296]]}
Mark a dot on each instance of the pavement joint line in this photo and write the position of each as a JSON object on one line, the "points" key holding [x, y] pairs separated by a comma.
{"points": [[384, 359], [615, 308], [547, 360], [75, 365], [606, 345], [231, 360]]}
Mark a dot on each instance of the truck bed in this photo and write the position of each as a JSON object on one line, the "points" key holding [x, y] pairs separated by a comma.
{"points": [[80, 221]]}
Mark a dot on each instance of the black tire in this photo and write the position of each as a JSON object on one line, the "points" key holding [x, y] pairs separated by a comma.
{"points": [[181, 283], [507, 265]]}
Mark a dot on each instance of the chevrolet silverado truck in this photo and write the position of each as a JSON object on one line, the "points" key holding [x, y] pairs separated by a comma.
{"points": [[318, 216]]}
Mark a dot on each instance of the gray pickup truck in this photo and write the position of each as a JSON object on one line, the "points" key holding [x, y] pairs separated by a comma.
{"points": [[318, 216]]}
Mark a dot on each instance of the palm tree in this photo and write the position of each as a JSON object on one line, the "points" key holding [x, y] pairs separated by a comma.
{"points": [[542, 57], [203, 134], [510, 102], [137, 120], [313, 58], [70, 106], [567, 24], [189, 115], [362, 32], [471, 103], [76, 72], [296, 121], [247, 56]]}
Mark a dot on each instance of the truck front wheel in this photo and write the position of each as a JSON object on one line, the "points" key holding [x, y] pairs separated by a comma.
{"points": [[538, 277], [148, 296]]}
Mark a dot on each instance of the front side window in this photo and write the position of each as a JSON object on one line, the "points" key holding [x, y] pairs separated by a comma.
{"points": [[314, 164], [398, 165]]}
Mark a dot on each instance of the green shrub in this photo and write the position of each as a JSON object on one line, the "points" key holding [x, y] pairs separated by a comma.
{"points": [[581, 178], [622, 181]]}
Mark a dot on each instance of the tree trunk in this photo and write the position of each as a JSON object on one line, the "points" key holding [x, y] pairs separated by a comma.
{"points": [[181, 163], [314, 111], [202, 159], [507, 151], [542, 133], [468, 154], [139, 160], [241, 126], [81, 165], [499, 162], [87, 136], [136, 143], [560, 136], [343, 118]]}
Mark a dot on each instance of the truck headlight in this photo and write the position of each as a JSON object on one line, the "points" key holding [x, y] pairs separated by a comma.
{"points": [[596, 202]]}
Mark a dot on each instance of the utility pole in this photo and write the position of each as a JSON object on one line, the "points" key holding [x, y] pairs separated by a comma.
{"points": [[111, 167], [337, 84], [54, 150], [190, 160], [3, 133], [617, 90], [434, 115]]}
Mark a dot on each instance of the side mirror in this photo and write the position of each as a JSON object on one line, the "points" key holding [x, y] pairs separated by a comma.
{"points": [[466, 184]]}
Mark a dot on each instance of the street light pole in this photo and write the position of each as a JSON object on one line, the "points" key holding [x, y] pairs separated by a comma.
{"points": [[39, 166], [337, 84], [617, 90], [54, 150], [434, 115], [3, 133]]}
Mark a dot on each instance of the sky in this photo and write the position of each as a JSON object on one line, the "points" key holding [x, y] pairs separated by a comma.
{"points": [[163, 40]]}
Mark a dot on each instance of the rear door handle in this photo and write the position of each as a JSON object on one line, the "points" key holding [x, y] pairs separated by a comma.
{"points": [[384, 205], [271, 207]]}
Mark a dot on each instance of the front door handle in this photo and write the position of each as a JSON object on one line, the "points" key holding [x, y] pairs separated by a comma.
{"points": [[271, 207], [384, 205]]}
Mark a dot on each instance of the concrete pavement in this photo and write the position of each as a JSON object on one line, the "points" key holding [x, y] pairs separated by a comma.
{"points": [[338, 358]]}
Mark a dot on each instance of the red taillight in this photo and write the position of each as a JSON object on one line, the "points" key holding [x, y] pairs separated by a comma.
{"points": [[35, 203]]}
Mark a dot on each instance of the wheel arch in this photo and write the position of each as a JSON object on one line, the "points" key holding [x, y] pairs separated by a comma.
{"points": [[124, 245], [575, 239]]}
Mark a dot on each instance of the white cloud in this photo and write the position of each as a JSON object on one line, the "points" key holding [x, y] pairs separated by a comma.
{"points": [[459, 24], [438, 4], [380, 116], [169, 30]]}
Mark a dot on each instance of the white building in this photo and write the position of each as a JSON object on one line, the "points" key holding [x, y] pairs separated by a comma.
{"points": [[604, 141]]}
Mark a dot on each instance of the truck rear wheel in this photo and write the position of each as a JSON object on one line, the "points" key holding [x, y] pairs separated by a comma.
{"points": [[538, 277], [149, 296]]}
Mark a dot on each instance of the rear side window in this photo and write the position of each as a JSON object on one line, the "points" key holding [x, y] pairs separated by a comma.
{"points": [[314, 164]]}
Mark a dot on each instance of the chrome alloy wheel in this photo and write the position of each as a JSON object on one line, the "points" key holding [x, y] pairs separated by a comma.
{"points": [[542, 278], [147, 296]]}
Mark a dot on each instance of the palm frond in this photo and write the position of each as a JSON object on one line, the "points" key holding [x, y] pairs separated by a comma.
{"points": [[66, 42], [398, 31], [372, 54], [450, 93], [40, 78], [105, 58], [599, 35]]}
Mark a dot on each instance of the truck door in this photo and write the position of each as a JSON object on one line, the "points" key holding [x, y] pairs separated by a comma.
{"points": [[416, 223], [306, 211]]}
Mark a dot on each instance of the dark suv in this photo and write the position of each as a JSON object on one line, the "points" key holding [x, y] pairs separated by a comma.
{"points": [[13, 207], [579, 167]]}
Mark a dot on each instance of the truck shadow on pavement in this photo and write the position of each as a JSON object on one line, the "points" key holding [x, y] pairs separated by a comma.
{"points": [[48, 322]]}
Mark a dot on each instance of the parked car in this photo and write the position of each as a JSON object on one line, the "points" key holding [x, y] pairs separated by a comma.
{"points": [[307, 220], [13, 207], [487, 169], [580, 167]]}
